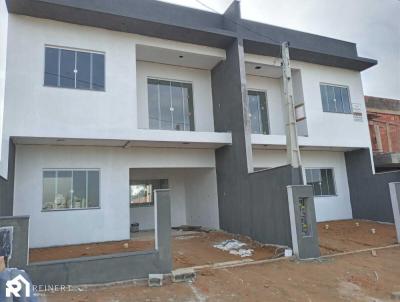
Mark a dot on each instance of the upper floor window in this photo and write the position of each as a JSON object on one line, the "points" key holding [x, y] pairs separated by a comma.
{"points": [[170, 105], [335, 98], [71, 189], [258, 112], [322, 181], [74, 69]]}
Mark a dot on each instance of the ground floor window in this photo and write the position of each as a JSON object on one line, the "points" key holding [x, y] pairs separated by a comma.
{"points": [[71, 189], [322, 180], [141, 191]]}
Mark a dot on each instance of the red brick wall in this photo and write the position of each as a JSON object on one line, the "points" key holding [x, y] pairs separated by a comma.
{"points": [[389, 129]]}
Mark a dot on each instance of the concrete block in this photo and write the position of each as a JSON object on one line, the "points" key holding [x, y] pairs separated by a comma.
{"points": [[183, 275], [395, 296], [155, 280]]}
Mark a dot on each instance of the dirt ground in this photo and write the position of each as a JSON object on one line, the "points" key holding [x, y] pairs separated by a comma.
{"points": [[196, 248], [350, 235], [356, 277], [188, 249]]}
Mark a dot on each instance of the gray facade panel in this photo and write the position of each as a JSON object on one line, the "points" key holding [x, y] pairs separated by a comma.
{"points": [[168, 21], [253, 204], [369, 193]]}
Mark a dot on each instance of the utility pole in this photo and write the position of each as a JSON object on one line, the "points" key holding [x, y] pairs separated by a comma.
{"points": [[292, 142]]}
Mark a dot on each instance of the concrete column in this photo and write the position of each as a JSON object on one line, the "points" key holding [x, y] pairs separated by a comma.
{"points": [[162, 215], [303, 223], [394, 188], [16, 246]]}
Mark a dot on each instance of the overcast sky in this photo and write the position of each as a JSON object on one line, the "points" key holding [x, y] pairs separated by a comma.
{"points": [[373, 24]]}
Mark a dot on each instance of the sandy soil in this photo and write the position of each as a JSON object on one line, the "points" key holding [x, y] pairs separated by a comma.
{"points": [[345, 235], [356, 277], [192, 249]]}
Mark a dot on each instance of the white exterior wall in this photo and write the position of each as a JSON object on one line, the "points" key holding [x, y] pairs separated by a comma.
{"points": [[111, 221], [3, 51], [194, 198], [144, 215], [33, 110], [324, 128], [326, 208], [201, 84], [272, 88]]}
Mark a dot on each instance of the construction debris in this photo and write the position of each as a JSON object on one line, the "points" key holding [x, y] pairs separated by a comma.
{"points": [[326, 226], [183, 275], [373, 231], [373, 253], [155, 280], [234, 247]]}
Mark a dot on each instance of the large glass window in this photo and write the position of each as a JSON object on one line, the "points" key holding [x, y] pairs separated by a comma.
{"points": [[141, 191], [71, 189], [74, 69], [258, 112], [170, 105], [335, 98], [322, 181]]}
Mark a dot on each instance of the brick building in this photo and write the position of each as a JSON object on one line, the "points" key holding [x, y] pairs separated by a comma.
{"points": [[384, 126]]}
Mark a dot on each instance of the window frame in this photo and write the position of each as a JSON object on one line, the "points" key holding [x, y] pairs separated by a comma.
{"points": [[148, 180], [72, 180], [339, 86], [333, 178], [152, 78], [268, 126], [75, 50]]}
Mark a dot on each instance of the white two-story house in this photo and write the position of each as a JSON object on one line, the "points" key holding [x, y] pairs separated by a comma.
{"points": [[104, 101]]}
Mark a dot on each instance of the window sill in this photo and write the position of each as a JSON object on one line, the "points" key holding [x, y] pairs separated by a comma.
{"points": [[69, 209], [317, 196]]}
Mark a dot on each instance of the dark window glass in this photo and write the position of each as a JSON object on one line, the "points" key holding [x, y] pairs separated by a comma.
{"points": [[322, 181], [79, 189], [74, 69], [67, 67], [49, 189], [93, 181], [258, 112], [335, 99], [83, 70], [51, 67], [98, 72], [154, 105], [170, 105], [70, 189]]}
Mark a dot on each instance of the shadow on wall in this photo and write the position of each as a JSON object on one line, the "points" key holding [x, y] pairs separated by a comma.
{"points": [[369, 193]]}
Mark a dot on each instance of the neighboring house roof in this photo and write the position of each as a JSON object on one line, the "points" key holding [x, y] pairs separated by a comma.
{"points": [[173, 22], [377, 104]]}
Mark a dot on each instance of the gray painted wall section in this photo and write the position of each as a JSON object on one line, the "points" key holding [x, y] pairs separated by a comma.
{"points": [[305, 240], [369, 193], [20, 224], [114, 267], [270, 219], [253, 204], [7, 185], [168, 21], [395, 197]]}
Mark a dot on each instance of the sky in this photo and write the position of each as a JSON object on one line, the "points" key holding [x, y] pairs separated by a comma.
{"points": [[373, 24]]}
